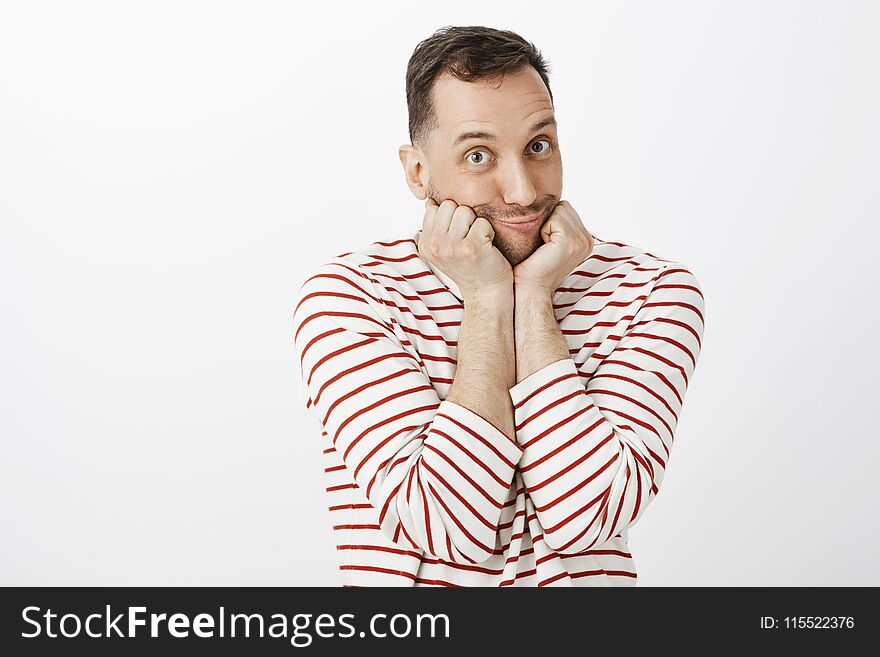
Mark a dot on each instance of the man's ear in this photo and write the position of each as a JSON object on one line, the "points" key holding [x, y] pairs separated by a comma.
{"points": [[415, 169]]}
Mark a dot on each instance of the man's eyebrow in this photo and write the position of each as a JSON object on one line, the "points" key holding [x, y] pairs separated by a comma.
{"points": [[488, 136]]}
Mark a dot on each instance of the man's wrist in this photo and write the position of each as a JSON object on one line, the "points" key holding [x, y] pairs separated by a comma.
{"points": [[532, 293], [490, 297]]}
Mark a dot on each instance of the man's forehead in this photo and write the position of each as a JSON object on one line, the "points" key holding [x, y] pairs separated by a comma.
{"points": [[463, 105]]}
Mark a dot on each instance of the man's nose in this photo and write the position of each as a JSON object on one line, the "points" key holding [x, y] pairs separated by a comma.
{"points": [[516, 185]]}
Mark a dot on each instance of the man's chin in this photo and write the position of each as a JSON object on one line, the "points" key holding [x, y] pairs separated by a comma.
{"points": [[518, 246]]}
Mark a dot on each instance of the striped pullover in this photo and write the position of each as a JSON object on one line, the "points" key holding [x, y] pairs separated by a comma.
{"points": [[424, 492]]}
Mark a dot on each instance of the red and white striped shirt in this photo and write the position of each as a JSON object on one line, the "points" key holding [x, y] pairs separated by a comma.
{"points": [[425, 492]]}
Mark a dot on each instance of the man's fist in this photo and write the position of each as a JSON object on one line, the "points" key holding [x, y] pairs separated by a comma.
{"points": [[460, 244], [567, 243]]}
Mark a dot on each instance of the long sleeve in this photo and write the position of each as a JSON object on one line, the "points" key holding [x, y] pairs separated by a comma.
{"points": [[437, 473], [595, 455]]}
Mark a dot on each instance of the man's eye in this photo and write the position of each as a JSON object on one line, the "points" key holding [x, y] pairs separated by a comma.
{"points": [[536, 148], [479, 159]]}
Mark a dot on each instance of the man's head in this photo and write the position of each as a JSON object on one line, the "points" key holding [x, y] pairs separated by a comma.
{"points": [[483, 131]]}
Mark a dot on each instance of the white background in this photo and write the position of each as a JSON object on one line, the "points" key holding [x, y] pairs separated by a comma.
{"points": [[170, 172]]}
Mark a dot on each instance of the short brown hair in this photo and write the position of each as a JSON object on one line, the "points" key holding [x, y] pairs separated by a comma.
{"points": [[469, 53]]}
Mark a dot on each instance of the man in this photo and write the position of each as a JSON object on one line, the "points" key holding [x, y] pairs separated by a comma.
{"points": [[498, 391]]}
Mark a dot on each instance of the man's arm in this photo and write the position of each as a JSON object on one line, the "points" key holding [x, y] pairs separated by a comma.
{"points": [[539, 341], [437, 473], [593, 458], [485, 368], [461, 244]]}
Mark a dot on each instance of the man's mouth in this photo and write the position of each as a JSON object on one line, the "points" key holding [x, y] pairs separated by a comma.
{"points": [[522, 223]]}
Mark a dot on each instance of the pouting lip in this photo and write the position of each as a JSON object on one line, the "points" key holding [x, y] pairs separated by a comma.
{"points": [[527, 220]]}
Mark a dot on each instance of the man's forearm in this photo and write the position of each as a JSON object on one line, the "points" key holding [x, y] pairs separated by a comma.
{"points": [[538, 338], [485, 369]]}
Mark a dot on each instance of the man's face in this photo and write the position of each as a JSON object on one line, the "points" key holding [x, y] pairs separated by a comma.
{"points": [[512, 171]]}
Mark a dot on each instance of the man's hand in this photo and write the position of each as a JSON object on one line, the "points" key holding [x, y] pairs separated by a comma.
{"points": [[566, 244], [460, 244]]}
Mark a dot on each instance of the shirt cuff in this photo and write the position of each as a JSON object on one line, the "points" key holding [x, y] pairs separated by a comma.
{"points": [[545, 377], [480, 437]]}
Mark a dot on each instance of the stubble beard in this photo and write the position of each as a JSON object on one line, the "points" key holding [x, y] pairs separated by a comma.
{"points": [[518, 246]]}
